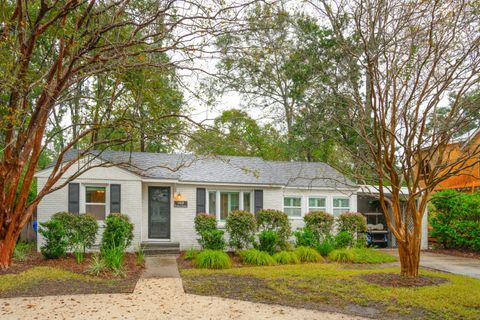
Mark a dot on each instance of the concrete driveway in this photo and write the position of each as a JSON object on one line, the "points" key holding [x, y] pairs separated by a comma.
{"points": [[446, 263]]}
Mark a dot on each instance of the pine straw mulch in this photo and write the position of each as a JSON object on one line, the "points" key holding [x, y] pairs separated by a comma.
{"points": [[107, 282], [456, 252]]}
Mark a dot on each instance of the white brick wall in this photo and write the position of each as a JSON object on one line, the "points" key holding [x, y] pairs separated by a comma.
{"points": [[131, 203]]}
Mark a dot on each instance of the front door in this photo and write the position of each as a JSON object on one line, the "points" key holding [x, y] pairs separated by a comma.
{"points": [[159, 212]]}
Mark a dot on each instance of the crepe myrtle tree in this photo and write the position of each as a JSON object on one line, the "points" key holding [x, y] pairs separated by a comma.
{"points": [[414, 57], [50, 47]]}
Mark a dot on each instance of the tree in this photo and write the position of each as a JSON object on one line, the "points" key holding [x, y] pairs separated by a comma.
{"points": [[234, 133], [411, 55], [48, 48]]}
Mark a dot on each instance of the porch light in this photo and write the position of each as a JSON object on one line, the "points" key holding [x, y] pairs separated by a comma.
{"points": [[178, 196]]}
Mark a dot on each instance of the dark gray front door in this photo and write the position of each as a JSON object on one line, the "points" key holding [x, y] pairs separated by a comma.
{"points": [[159, 212]]}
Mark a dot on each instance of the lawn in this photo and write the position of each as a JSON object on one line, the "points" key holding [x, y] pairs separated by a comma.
{"points": [[342, 288], [35, 276]]}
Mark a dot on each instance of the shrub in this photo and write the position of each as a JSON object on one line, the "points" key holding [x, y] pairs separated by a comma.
{"points": [[118, 233], [455, 219], [352, 222], [241, 226], [306, 254], [305, 238], [213, 240], [80, 232], [55, 244], [277, 221], [320, 223], [267, 241], [191, 254], [342, 255], [97, 265], [205, 222], [256, 257], [212, 259], [286, 257], [326, 246], [22, 250], [343, 240]]}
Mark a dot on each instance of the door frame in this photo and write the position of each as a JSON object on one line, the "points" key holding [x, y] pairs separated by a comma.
{"points": [[169, 213]]}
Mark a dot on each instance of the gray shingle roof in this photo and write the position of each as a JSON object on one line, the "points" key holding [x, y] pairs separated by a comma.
{"points": [[227, 169]]}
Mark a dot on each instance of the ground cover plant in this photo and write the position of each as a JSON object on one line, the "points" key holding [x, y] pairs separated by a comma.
{"points": [[370, 292]]}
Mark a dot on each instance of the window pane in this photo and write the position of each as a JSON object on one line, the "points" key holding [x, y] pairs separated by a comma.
{"points": [[212, 202], [292, 202], [229, 201], [293, 212], [316, 202], [341, 203], [95, 194], [96, 210], [246, 201]]}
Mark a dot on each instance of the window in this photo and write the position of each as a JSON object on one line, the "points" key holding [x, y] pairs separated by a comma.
{"points": [[95, 201], [292, 206], [221, 203], [229, 201], [212, 202], [246, 202], [317, 204], [340, 205]]}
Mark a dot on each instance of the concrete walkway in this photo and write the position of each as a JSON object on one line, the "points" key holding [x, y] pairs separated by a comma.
{"points": [[153, 298], [446, 263]]}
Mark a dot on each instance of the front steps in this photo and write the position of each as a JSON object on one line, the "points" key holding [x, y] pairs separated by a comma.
{"points": [[159, 248]]}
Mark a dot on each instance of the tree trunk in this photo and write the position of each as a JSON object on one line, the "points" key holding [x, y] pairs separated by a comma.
{"points": [[7, 245], [409, 258]]}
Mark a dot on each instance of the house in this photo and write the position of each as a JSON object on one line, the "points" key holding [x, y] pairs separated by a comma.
{"points": [[468, 177], [162, 193]]}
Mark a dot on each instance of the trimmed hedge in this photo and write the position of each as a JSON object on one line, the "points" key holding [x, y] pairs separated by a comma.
{"points": [[320, 223], [276, 221], [241, 226]]}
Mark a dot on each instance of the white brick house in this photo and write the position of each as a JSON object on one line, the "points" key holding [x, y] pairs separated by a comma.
{"points": [[162, 193]]}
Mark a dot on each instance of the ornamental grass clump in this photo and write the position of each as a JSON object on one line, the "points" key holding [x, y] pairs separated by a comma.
{"points": [[286, 257], [342, 256], [306, 254], [212, 259], [256, 257]]}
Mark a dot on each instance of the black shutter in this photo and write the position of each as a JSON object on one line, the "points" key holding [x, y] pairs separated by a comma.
{"points": [[201, 199], [258, 200], [74, 198], [115, 198]]}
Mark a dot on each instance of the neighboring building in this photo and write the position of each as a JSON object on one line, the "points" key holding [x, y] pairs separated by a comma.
{"points": [[162, 193], [468, 179]]}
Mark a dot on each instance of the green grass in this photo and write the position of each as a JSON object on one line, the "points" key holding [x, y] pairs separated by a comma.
{"points": [[36, 274], [191, 254], [256, 257], [360, 255], [306, 254], [336, 286], [286, 257], [212, 259]]}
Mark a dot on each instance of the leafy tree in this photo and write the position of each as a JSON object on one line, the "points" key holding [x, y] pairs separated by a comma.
{"points": [[234, 133]]}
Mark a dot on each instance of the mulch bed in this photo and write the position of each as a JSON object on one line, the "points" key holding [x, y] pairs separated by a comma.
{"points": [[397, 280], [456, 252], [106, 282]]}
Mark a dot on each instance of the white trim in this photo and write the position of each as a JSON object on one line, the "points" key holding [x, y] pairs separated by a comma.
{"points": [[217, 201], [341, 198], [302, 203], [316, 208], [83, 197]]}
